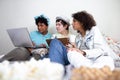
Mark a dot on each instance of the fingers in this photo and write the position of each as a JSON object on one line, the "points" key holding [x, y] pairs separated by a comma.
{"points": [[42, 45], [74, 49], [70, 46]]}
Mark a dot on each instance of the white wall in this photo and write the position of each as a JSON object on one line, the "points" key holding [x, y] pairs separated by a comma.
{"points": [[21, 13]]}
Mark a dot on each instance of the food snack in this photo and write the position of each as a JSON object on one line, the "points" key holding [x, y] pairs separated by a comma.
{"points": [[31, 70], [86, 73]]}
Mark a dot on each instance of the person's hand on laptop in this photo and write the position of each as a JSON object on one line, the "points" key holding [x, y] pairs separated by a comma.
{"points": [[42, 45], [39, 46]]}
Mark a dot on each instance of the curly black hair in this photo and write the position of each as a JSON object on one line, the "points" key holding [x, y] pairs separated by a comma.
{"points": [[41, 19], [85, 18]]}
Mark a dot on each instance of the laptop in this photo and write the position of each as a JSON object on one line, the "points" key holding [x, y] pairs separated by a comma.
{"points": [[20, 37]]}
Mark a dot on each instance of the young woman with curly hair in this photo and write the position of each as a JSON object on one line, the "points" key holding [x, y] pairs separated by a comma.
{"points": [[91, 49]]}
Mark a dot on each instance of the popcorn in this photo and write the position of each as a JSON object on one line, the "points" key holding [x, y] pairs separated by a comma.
{"points": [[31, 70], [87, 73]]}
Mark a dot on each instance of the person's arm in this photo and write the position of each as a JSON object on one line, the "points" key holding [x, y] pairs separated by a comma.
{"points": [[77, 57], [99, 46]]}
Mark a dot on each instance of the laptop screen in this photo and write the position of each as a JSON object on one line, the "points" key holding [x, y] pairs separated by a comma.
{"points": [[20, 37]]}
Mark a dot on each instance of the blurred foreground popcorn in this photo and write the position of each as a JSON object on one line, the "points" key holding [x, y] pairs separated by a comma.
{"points": [[31, 70], [86, 73]]}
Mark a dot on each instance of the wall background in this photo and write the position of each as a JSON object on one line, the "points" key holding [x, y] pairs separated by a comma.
{"points": [[21, 13]]}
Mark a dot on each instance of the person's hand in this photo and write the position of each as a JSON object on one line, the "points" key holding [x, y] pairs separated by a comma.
{"points": [[77, 50], [42, 45], [29, 49], [119, 54], [70, 45]]}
